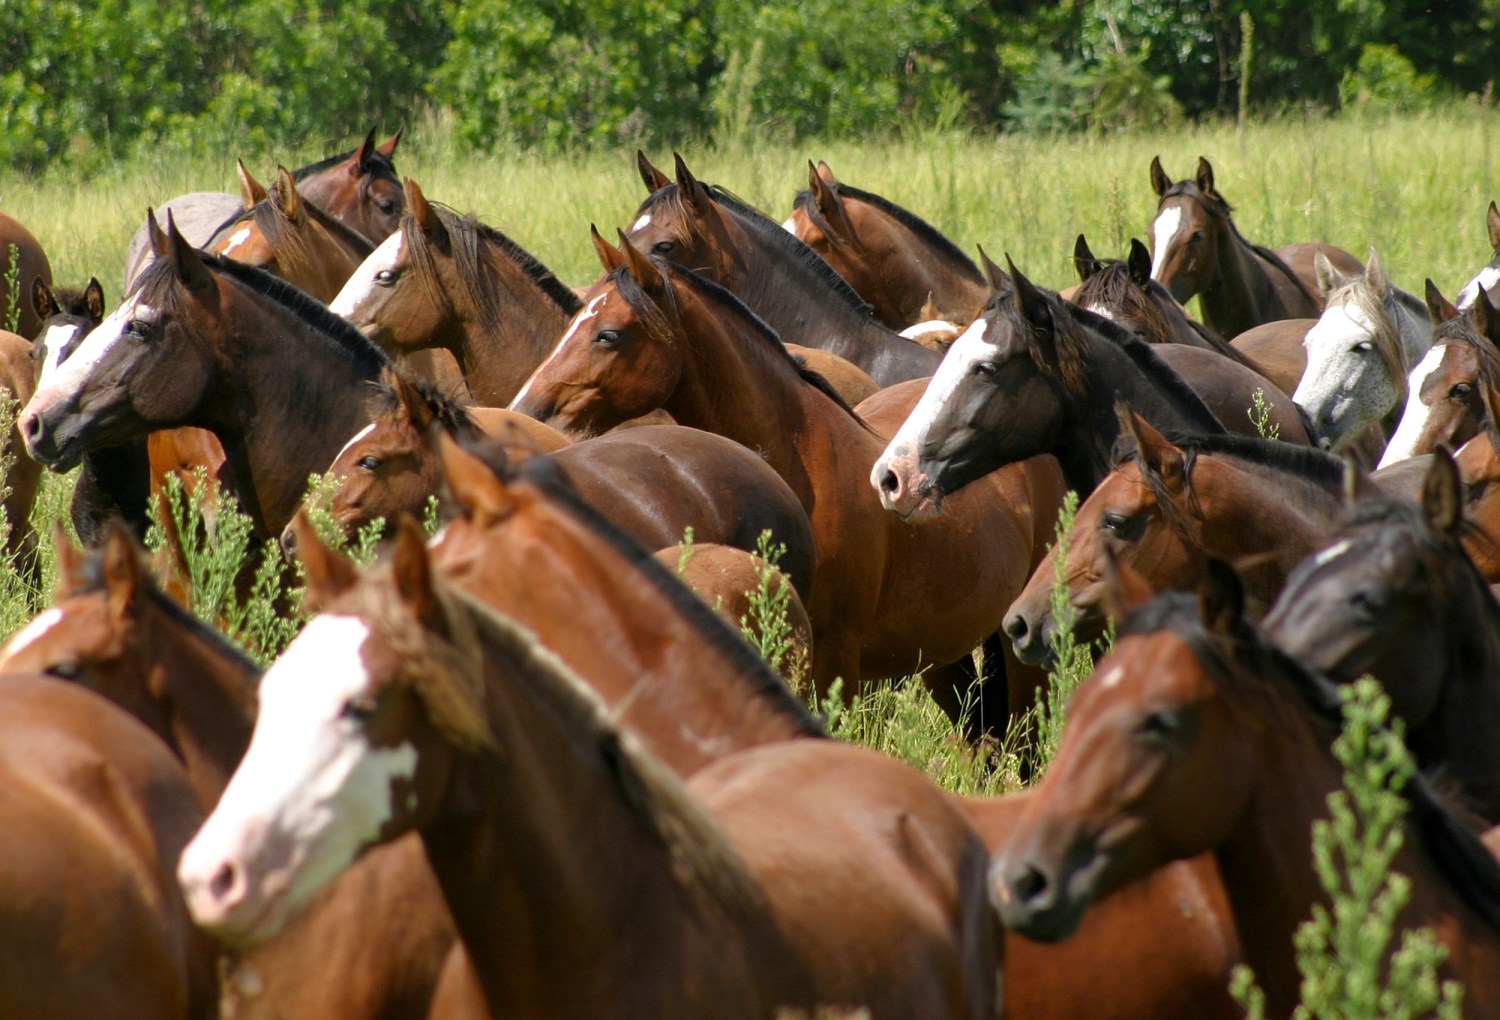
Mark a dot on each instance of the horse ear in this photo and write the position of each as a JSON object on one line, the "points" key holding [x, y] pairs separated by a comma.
{"points": [[1205, 178], [477, 492], [93, 299], [1356, 482], [1442, 502], [826, 173], [992, 272], [1221, 598], [287, 198], [328, 572], [423, 212], [1438, 307], [1125, 591], [1492, 219], [1328, 276], [411, 569], [70, 560], [1154, 452], [417, 411], [646, 272], [1138, 263], [1029, 301], [690, 187], [1375, 275], [387, 148], [1083, 258], [359, 162], [1160, 182], [252, 192], [190, 268], [43, 302], [121, 571], [826, 197], [160, 246], [610, 257], [1485, 318], [651, 175]]}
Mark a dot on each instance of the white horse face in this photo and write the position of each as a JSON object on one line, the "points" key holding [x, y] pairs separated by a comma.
{"points": [[1348, 383]]}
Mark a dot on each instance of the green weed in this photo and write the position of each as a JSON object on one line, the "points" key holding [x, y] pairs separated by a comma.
{"points": [[1259, 413]]}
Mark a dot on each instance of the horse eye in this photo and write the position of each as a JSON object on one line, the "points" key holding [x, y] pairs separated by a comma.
{"points": [[985, 369], [1460, 390], [386, 205], [37, 352], [65, 670], [1122, 526], [360, 708], [369, 463], [663, 247], [1365, 601], [1161, 725], [608, 338], [385, 277], [137, 328], [1364, 347]]}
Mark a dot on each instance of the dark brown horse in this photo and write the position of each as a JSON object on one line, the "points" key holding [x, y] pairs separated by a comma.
{"points": [[1196, 735], [1167, 506], [449, 282], [656, 335], [897, 262], [1392, 593], [781, 279], [29, 263], [205, 341], [372, 946], [1197, 250], [542, 817]]}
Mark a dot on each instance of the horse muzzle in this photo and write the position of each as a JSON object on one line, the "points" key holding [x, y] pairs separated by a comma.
{"points": [[52, 436]]}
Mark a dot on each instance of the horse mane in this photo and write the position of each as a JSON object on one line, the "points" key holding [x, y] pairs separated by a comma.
{"points": [[934, 237], [668, 200], [381, 165], [720, 296], [1387, 338], [546, 475], [1220, 209], [1112, 287], [155, 282], [291, 248], [1458, 854], [450, 411]]}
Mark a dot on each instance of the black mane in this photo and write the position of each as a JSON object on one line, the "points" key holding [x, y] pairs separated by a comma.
{"points": [[908, 219]]}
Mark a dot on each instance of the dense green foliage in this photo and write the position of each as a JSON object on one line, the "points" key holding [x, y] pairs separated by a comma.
{"points": [[91, 80]]}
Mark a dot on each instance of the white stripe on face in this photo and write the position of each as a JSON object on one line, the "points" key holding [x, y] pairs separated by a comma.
{"points": [[1166, 227], [920, 329], [590, 310], [236, 239], [70, 377], [310, 791], [1487, 278], [57, 338], [357, 437], [360, 285], [790, 226], [971, 346], [1414, 417], [31, 633], [1332, 552], [642, 223], [1103, 313]]}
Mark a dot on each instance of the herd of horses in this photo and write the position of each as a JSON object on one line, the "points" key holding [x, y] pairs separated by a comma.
{"points": [[530, 766]]}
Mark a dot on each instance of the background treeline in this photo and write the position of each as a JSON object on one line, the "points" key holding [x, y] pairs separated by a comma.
{"points": [[88, 80]]}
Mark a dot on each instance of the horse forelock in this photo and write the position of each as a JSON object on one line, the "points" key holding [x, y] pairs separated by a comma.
{"points": [[1381, 315], [385, 404], [1113, 287]]}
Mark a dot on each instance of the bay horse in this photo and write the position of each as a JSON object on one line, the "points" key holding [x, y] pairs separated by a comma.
{"points": [[1168, 505], [1359, 351], [1197, 250], [205, 341], [1478, 463], [97, 812], [358, 188], [371, 947], [23, 475], [1195, 734], [1452, 391], [654, 334], [541, 816], [29, 263], [901, 265], [1391, 592], [781, 279], [1487, 279], [447, 281]]}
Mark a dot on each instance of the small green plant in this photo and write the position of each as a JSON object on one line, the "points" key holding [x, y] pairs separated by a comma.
{"points": [[687, 550], [765, 624], [13, 289], [1342, 953], [1260, 416]]}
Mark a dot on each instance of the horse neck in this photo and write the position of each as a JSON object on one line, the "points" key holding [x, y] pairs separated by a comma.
{"points": [[278, 427], [498, 357], [544, 865], [1413, 324], [684, 697], [206, 698], [1243, 293]]}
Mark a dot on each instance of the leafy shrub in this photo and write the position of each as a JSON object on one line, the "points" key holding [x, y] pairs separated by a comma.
{"points": [[1386, 82]]}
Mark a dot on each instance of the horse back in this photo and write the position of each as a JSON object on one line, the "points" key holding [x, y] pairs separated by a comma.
{"points": [[198, 215], [31, 262]]}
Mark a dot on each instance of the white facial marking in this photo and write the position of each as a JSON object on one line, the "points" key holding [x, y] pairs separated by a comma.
{"points": [[29, 634], [1167, 224], [790, 226], [642, 223], [1332, 552], [310, 791], [1488, 277], [236, 239], [359, 286], [53, 342], [1112, 677], [1103, 312], [68, 378], [1414, 417], [918, 330], [590, 310], [357, 437]]}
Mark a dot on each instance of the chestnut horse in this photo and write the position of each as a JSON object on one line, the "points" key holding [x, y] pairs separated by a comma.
{"points": [[542, 817], [899, 263], [1196, 735], [1452, 391], [1479, 468], [1392, 593], [1197, 250], [372, 946], [781, 279], [1167, 506], [1488, 278], [205, 341], [449, 282], [29, 263], [24, 475], [884, 600]]}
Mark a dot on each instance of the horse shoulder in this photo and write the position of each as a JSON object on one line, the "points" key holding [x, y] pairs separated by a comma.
{"points": [[847, 379], [1229, 389], [509, 426]]}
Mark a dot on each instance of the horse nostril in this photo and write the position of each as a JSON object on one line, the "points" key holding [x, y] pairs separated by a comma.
{"points": [[225, 882], [31, 425], [1030, 885], [289, 542], [890, 483], [1017, 629]]}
